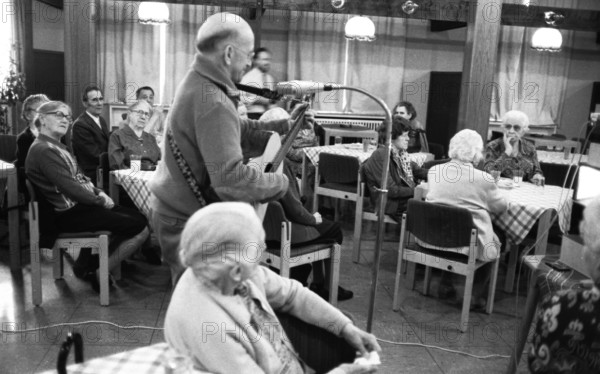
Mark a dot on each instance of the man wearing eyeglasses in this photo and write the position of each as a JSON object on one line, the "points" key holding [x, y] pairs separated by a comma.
{"points": [[512, 154], [90, 133], [202, 154]]}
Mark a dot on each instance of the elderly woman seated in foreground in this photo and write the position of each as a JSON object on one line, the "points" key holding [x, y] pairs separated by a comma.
{"points": [[459, 183], [222, 312], [567, 333], [133, 140], [512, 153]]}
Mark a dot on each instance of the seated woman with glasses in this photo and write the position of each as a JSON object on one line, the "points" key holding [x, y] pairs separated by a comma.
{"points": [[133, 140], [512, 153]]}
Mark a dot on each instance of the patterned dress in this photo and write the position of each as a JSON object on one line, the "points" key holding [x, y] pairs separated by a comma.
{"points": [[567, 333], [526, 161]]}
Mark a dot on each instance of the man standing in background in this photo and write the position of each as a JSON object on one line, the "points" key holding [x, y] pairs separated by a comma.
{"points": [[258, 77]]}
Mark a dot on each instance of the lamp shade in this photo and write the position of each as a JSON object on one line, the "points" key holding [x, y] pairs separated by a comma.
{"points": [[546, 39], [151, 13], [360, 28]]}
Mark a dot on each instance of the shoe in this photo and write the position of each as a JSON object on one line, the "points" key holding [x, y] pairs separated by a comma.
{"points": [[151, 256], [92, 278], [343, 294], [85, 264]]}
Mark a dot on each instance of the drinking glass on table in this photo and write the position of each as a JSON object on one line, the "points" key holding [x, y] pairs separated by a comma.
{"points": [[136, 162], [496, 175], [517, 177], [338, 140]]}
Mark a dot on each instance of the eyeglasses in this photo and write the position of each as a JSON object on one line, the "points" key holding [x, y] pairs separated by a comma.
{"points": [[508, 126], [141, 112], [60, 115], [249, 55]]}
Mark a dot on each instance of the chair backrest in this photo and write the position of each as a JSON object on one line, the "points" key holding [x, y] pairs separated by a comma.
{"points": [[439, 225], [42, 217], [8, 147], [338, 168], [103, 171], [555, 174]]}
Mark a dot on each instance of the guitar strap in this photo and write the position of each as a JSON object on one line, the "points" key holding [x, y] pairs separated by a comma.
{"points": [[204, 194]]}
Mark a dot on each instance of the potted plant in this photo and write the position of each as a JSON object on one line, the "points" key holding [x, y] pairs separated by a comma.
{"points": [[12, 92]]}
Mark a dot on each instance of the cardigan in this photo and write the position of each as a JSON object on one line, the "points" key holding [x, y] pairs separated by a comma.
{"points": [[124, 142], [215, 331], [208, 130]]}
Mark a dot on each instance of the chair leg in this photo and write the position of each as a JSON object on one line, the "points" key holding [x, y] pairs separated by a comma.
{"points": [[36, 274], [103, 254], [57, 262], [412, 269], [464, 317], [334, 271], [427, 280], [492, 288], [513, 253], [396, 302], [357, 233]]}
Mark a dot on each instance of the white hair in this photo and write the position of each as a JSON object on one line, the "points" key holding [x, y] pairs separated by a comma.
{"points": [[516, 117], [590, 226], [219, 231], [466, 146]]}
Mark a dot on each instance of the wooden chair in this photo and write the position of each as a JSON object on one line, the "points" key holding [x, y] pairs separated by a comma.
{"points": [[429, 235], [363, 213], [336, 176], [279, 229], [8, 147], [103, 172], [98, 240]]}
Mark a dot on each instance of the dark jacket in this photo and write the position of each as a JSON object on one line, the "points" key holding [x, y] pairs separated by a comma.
{"points": [[398, 185], [88, 141]]}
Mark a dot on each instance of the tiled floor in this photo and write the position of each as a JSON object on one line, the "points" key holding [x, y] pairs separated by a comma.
{"points": [[142, 297]]}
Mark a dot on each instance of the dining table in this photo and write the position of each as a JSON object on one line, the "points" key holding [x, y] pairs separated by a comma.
{"points": [[8, 180], [135, 183], [550, 157], [311, 157]]}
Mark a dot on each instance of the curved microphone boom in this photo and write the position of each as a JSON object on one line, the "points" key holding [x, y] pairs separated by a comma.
{"points": [[300, 88], [264, 92]]}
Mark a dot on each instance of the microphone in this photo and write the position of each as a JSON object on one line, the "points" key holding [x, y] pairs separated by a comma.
{"points": [[264, 92], [300, 88]]}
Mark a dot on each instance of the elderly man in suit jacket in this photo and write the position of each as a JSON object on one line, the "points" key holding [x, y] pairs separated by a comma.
{"points": [[90, 133]]}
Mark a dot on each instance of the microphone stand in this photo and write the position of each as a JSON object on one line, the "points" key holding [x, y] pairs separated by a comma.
{"points": [[382, 200]]}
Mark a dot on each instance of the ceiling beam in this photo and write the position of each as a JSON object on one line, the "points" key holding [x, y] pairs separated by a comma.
{"points": [[437, 10]]}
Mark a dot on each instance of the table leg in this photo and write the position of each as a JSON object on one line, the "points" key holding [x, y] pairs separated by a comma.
{"points": [[13, 221], [113, 188], [521, 338], [513, 258], [542, 233]]}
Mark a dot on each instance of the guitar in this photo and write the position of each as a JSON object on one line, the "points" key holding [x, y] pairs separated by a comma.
{"points": [[271, 161]]}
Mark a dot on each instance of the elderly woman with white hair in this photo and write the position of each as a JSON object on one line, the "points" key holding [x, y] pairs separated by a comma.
{"points": [[512, 153], [567, 334], [222, 312], [459, 183]]}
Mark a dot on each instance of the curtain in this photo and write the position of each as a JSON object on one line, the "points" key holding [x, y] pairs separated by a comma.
{"points": [[316, 49], [128, 52], [528, 80]]}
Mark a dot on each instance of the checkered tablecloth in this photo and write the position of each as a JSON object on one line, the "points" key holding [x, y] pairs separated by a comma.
{"points": [[527, 203], [145, 360], [356, 150], [559, 158], [135, 183]]}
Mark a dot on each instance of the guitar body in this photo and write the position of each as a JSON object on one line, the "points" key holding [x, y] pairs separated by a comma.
{"points": [[265, 164]]}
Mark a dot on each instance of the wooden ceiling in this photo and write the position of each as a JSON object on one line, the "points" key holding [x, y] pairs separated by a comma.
{"points": [[438, 10]]}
